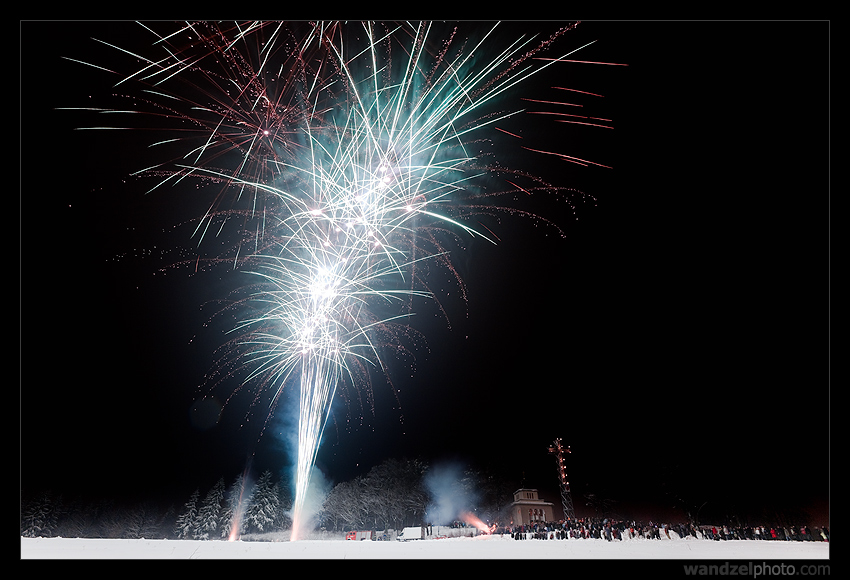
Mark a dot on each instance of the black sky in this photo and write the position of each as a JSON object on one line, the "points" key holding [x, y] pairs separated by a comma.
{"points": [[677, 338]]}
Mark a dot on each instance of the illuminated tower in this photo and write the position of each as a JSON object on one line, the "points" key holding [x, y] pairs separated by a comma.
{"points": [[566, 499]]}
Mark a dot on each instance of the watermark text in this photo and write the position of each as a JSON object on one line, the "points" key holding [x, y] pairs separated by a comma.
{"points": [[756, 569]]}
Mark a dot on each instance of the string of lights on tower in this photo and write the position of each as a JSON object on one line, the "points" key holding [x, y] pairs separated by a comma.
{"points": [[558, 449]]}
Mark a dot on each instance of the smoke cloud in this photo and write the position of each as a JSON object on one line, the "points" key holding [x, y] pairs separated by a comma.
{"points": [[448, 493], [318, 490]]}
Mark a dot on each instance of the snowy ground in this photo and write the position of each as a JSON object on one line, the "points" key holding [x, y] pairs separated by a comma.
{"points": [[483, 547]]}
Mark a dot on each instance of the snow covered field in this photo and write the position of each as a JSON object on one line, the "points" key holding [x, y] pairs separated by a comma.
{"points": [[483, 547]]}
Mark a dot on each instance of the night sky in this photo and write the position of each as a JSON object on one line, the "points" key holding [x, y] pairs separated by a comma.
{"points": [[677, 337]]}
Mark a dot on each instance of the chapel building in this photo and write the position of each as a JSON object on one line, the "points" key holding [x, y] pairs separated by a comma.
{"points": [[527, 508]]}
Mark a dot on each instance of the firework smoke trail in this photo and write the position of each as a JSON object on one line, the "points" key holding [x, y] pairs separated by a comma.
{"points": [[238, 505], [345, 166]]}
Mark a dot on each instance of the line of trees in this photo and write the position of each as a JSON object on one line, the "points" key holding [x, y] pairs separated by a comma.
{"points": [[393, 494]]}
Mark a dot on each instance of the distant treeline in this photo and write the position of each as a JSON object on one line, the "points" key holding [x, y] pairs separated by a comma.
{"points": [[391, 495]]}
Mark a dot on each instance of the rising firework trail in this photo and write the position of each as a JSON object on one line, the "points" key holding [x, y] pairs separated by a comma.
{"points": [[346, 152]]}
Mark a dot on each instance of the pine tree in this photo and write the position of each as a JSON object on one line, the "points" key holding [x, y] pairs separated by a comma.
{"points": [[210, 513], [264, 506], [187, 520], [283, 520]]}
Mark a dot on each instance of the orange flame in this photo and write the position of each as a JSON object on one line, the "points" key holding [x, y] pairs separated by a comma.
{"points": [[475, 521]]}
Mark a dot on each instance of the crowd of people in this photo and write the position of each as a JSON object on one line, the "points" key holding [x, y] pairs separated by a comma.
{"points": [[613, 530]]}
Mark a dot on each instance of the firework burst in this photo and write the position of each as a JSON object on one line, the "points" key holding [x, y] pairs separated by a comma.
{"points": [[345, 151]]}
